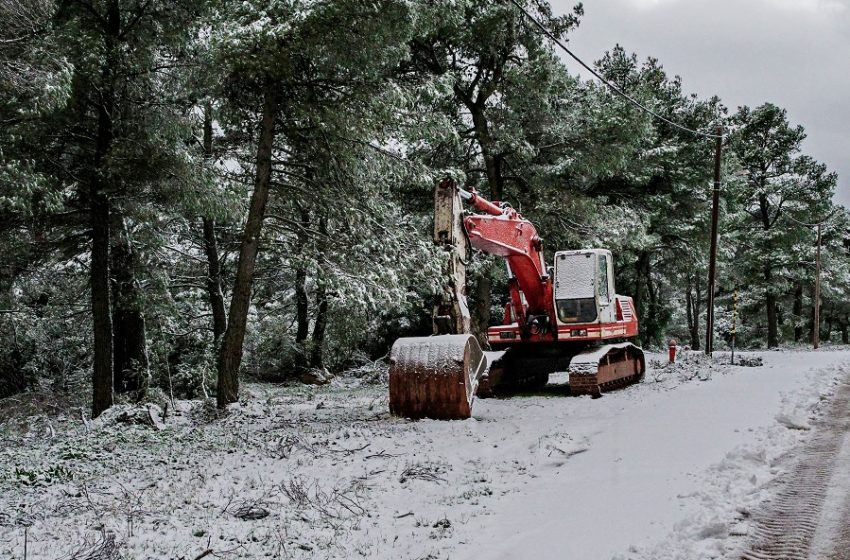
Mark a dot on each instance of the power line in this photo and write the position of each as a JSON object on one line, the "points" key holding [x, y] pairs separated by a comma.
{"points": [[820, 223], [602, 79]]}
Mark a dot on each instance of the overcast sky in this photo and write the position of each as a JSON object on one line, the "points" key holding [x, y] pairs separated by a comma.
{"points": [[794, 53]]}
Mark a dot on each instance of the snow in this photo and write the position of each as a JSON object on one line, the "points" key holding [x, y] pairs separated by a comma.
{"points": [[836, 508], [575, 275], [430, 351], [665, 469]]}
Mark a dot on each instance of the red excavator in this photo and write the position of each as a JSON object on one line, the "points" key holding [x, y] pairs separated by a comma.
{"points": [[565, 317]]}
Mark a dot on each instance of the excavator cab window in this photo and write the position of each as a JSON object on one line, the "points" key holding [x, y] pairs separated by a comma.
{"points": [[604, 296], [577, 310]]}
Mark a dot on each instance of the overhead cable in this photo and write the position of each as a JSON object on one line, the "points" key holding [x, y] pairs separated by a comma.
{"points": [[820, 223], [602, 79]]}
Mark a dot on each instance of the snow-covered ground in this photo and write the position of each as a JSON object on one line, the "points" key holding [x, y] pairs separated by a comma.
{"points": [[666, 469]]}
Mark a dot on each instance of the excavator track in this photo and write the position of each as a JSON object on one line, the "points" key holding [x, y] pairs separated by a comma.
{"points": [[436, 376], [519, 369], [605, 368]]}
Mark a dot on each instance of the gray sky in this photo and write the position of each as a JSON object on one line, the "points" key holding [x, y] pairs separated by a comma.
{"points": [[794, 53]]}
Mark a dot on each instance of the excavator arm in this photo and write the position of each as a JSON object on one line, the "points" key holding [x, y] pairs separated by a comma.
{"points": [[500, 230], [438, 376]]}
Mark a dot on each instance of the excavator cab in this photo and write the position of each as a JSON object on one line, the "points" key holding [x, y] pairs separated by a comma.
{"points": [[584, 286]]}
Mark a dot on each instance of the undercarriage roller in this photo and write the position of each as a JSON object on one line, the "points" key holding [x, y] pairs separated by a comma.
{"points": [[435, 376], [607, 367]]}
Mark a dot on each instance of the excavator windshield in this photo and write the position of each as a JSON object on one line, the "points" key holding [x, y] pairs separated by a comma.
{"points": [[576, 310]]}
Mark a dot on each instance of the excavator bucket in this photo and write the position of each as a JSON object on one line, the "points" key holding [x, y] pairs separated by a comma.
{"points": [[435, 376], [607, 367]]}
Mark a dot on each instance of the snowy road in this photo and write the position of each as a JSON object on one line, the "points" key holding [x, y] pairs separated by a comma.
{"points": [[678, 467], [831, 541], [810, 517], [663, 465]]}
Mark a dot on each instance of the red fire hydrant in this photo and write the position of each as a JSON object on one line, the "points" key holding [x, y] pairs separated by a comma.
{"points": [[671, 350]]}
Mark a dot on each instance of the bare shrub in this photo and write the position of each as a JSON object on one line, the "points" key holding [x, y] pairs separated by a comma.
{"points": [[335, 503], [103, 548], [423, 471]]}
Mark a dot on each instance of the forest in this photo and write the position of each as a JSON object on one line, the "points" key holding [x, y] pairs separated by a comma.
{"points": [[196, 192]]}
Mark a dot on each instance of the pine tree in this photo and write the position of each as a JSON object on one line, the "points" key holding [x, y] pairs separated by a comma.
{"points": [[779, 181], [282, 64], [108, 153]]}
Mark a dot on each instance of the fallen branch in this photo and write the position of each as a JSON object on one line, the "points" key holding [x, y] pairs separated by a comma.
{"points": [[422, 472], [382, 454], [349, 451], [85, 422]]}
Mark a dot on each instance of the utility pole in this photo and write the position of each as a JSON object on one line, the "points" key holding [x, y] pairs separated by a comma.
{"points": [[734, 323], [816, 325], [816, 303], [712, 258]]}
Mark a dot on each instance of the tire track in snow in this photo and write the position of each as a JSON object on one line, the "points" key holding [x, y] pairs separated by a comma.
{"points": [[832, 538], [787, 526]]}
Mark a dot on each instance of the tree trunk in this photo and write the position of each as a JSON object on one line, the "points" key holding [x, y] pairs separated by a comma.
{"points": [[638, 293], [772, 331], [693, 305], [102, 384], [302, 302], [827, 332], [697, 311], [492, 162], [653, 322], [483, 301], [318, 340], [641, 308], [302, 308], [770, 296], [129, 339], [214, 291], [302, 316], [5, 297], [495, 181], [7, 281], [845, 337], [798, 312], [99, 215], [651, 290], [230, 353], [770, 302]]}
